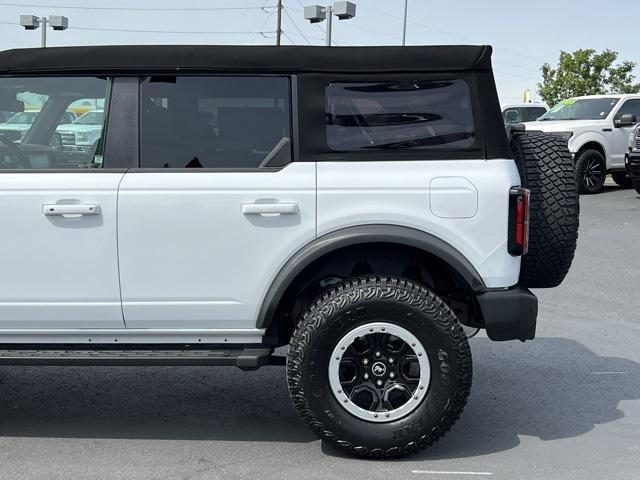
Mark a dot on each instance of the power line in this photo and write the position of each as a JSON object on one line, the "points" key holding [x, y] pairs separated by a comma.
{"points": [[445, 32], [128, 30], [133, 9], [296, 25]]}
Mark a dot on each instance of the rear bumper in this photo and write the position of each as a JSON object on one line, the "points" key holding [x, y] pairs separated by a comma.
{"points": [[509, 314]]}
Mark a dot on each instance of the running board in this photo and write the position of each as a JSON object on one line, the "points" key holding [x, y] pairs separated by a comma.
{"points": [[244, 358]]}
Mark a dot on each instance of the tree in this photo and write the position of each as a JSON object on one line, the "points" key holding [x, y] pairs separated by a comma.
{"points": [[585, 72]]}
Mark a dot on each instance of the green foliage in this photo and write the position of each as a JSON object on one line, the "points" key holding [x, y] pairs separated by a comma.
{"points": [[585, 72]]}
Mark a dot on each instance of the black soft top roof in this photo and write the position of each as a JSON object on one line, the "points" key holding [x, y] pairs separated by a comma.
{"points": [[201, 58]]}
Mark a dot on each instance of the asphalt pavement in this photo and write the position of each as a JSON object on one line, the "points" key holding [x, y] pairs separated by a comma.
{"points": [[565, 406]]}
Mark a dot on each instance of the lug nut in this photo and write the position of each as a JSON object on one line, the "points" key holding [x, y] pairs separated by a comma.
{"points": [[391, 360], [378, 354], [365, 361], [392, 375], [366, 376], [379, 383]]}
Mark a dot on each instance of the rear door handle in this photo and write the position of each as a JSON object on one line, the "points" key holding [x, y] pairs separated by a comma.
{"points": [[269, 208], [62, 209]]}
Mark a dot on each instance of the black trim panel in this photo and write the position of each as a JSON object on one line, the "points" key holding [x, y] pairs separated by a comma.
{"points": [[357, 235], [509, 314], [121, 141]]}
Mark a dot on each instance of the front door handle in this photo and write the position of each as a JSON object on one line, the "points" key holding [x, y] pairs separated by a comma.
{"points": [[70, 209], [269, 208]]}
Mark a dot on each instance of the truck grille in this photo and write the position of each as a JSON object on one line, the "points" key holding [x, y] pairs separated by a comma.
{"points": [[67, 138], [638, 139]]}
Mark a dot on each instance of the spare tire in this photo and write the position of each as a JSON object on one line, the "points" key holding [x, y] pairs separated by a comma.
{"points": [[546, 169]]}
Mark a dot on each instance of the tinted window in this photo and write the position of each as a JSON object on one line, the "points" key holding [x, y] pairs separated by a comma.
{"points": [[522, 114], [399, 115], [214, 122], [629, 107], [42, 135]]}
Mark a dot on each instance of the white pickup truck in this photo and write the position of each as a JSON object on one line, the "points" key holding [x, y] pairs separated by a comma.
{"points": [[597, 130]]}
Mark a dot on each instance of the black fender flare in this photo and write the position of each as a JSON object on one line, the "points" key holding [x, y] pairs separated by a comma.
{"points": [[359, 235]]}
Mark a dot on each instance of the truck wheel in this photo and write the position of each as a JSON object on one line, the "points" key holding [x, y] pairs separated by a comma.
{"points": [[546, 169], [591, 171], [636, 184], [622, 179], [379, 367]]}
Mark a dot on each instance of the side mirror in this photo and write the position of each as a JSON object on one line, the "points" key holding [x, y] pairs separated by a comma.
{"points": [[9, 102], [626, 120]]}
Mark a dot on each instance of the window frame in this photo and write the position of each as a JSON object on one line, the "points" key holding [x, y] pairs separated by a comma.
{"points": [[106, 168], [292, 86], [313, 138]]}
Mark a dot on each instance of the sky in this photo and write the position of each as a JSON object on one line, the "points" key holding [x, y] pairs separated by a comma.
{"points": [[524, 34]]}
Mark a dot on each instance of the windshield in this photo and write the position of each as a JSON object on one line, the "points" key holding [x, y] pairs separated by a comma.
{"points": [[23, 118], [90, 118], [581, 109]]}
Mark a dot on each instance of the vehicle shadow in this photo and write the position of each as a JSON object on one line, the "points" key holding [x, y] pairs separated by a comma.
{"points": [[552, 388]]}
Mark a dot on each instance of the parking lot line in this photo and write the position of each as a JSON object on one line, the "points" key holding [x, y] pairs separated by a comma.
{"points": [[445, 472]]}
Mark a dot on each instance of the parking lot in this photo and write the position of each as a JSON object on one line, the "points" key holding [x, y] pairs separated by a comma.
{"points": [[566, 406]]}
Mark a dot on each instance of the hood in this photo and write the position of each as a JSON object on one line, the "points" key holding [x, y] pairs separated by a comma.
{"points": [[75, 128], [562, 125], [19, 127]]}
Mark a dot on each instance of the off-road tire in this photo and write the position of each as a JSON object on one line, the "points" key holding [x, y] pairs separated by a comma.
{"points": [[546, 169], [636, 184], [622, 179], [584, 161], [357, 302]]}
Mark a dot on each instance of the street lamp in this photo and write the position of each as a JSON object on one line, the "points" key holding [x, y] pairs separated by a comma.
{"points": [[318, 13], [31, 22]]}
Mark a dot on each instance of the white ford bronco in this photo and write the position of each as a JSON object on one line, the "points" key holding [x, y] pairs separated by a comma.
{"points": [[596, 129], [358, 204]]}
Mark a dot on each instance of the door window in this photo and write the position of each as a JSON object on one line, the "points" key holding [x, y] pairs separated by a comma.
{"points": [[629, 107], [214, 122], [47, 130]]}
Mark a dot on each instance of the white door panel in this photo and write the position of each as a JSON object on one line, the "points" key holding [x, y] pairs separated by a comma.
{"points": [[199, 250], [59, 269], [398, 193]]}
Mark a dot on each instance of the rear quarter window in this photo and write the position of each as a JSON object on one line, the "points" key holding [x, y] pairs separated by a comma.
{"points": [[390, 115]]}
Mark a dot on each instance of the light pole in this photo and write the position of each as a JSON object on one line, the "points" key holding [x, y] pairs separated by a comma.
{"points": [[318, 13], [404, 24], [31, 22]]}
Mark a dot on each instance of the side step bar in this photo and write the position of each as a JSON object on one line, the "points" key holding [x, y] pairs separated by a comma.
{"points": [[244, 358]]}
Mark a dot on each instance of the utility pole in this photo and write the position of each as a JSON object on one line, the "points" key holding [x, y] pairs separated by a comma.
{"points": [[404, 24], [279, 23]]}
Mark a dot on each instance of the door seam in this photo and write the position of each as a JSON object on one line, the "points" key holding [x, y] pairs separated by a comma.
{"points": [[124, 321]]}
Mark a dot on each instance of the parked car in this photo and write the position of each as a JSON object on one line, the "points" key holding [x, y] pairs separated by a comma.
{"points": [[596, 129], [82, 134], [19, 124], [523, 112], [358, 204], [632, 158]]}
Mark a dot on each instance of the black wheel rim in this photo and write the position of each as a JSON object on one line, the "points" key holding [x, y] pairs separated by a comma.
{"points": [[594, 172], [379, 372]]}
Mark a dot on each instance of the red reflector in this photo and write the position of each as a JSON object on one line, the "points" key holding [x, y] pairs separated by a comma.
{"points": [[518, 221]]}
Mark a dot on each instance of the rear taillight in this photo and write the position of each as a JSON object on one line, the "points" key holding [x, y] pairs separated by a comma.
{"points": [[518, 221]]}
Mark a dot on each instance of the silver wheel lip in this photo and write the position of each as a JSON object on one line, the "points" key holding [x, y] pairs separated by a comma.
{"points": [[391, 415]]}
